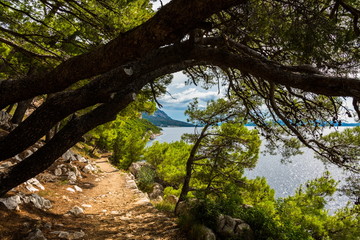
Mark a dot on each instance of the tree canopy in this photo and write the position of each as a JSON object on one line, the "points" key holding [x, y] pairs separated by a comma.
{"points": [[289, 63]]}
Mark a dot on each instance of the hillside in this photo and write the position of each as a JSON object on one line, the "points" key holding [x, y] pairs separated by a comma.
{"points": [[161, 119]]}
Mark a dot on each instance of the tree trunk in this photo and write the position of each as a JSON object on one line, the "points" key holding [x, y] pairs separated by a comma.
{"points": [[160, 30], [99, 90], [186, 186], [20, 111], [61, 142]]}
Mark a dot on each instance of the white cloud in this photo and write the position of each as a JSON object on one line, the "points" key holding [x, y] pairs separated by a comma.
{"points": [[180, 95], [188, 95]]}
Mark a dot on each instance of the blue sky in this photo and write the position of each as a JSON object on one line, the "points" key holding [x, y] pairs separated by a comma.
{"points": [[181, 95]]}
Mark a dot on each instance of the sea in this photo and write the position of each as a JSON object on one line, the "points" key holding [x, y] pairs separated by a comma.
{"points": [[284, 178]]}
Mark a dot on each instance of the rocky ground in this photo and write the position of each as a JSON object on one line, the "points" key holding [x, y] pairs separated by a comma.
{"points": [[80, 199]]}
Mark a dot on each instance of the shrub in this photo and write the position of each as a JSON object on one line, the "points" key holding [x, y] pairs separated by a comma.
{"points": [[165, 207], [146, 178]]}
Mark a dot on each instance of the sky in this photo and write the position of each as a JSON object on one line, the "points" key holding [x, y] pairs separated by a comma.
{"points": [[180, 95]]}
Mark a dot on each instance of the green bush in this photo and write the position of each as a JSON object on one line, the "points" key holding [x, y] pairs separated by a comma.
{"points": [[146, 179], [165, 207], [205, 213]]}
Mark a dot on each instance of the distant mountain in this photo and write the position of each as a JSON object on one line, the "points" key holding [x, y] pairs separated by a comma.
{"points": [[161, 119]]}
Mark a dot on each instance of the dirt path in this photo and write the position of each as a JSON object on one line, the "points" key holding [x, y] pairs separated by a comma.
{"points": [[120, 211], [113, 209]]}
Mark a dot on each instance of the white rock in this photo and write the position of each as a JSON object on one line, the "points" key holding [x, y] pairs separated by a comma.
{"points": [[57, 172], [89, 168], [131, 184], [86, 205], [78, 189], [81, 159], [71, 177], [12, 202], [69, 155], [114, 212], [76, 170], [77, 211], [36, 183], [70, 190], [40, 202], [30, 187]]}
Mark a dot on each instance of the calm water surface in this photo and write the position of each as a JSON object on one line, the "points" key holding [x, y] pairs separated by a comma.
{"points": [[283, 178]]}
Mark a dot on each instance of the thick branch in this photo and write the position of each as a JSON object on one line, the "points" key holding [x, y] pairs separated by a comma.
{"points": [[100, 90], [169, 25], [66, 138], [274, 72]]}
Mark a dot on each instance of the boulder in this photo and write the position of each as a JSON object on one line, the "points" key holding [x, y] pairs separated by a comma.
{"points": [[201, 232], [69, 156], [36, 235], [229, 227], [71, 177], [136, 166], [76, 211], [157, 191], [33, 185], [70, 190], [76, 170], [57, 171], [12, 202], [39, 202], [89, 168], [78, 189], [81, 158]]}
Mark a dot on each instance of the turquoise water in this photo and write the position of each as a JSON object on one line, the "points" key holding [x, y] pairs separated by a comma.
{"points": [[283, 178]]}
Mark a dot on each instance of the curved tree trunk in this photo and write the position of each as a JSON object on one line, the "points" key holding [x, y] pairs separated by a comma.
{"points": [[61, 142], [189, 163], [99, 90], [162, 29]]}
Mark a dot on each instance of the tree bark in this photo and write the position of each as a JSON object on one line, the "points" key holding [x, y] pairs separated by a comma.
{"points": [[20, 111], [163, 61], [66, 138], [186, 185], [169, 25]]}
